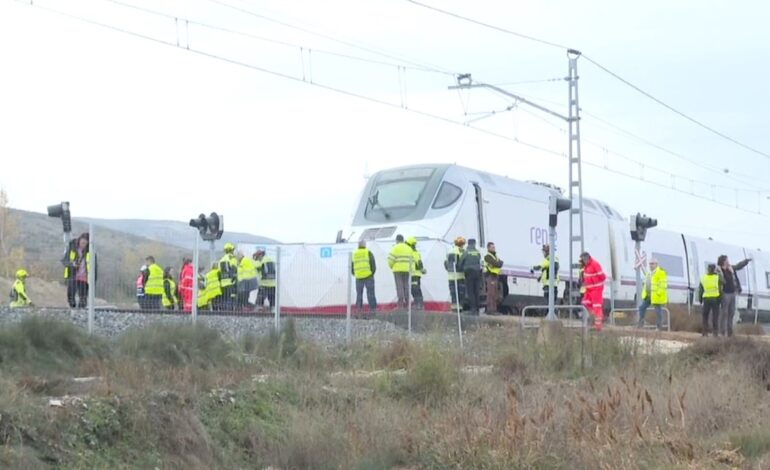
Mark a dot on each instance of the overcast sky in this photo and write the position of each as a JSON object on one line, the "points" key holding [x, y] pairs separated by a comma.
{"points": [[125, 127]]}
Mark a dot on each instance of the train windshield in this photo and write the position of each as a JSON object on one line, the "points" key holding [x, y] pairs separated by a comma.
{"points": [[399, 194]]}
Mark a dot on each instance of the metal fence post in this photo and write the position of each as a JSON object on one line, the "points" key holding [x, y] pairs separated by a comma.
{"points": [[457, 298], [277, 306], [194, 302], [409, 293], [91, 279], [349, 283]]}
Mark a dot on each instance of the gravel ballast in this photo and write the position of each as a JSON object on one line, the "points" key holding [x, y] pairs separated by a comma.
{"points": [[113, 323]]}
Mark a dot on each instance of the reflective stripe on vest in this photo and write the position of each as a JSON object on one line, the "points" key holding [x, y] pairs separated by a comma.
{"points": [[213, 286], [154, 284], [417, 266], [452, 258], [72, 257], [710, 284], [362, 269], [491, 269], [400, 258], [247, 270], [169, 302], [545, 267], [268, 272], [230, 272]]}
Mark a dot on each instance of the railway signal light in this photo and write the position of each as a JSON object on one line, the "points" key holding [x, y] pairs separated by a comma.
{"points": [[62, 211], [556, 205], [211, 228], [639, 225]]}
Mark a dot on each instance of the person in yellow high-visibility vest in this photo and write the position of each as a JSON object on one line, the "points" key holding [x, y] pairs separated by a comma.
{"points": [[363, 268], [545, 269], [213, 294], [153, 284], [400, 260], [455, 275], [655, 293], [710, 295], [493, 266], [228, 269], [170, 292], [247, 279], [19, 297], [418, 270]]}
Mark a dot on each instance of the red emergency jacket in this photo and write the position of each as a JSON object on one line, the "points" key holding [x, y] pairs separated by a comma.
{"points": [[593, 275], [186, 285]]}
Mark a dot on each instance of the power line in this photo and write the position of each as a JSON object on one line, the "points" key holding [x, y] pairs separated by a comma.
{"points": [[264, 38], [674, 110], [332, 38], [487, 25], [722, 172], [373, 100], [601, 67]]}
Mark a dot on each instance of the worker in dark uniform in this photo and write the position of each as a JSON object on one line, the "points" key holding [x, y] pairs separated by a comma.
{"points": [[470, 265]]}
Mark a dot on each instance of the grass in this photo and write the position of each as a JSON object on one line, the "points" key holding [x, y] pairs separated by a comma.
{"points": [[177, 396]]}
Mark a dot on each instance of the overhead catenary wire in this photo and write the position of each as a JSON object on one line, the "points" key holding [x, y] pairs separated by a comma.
{"points": [[368, 49], [371, 99], [723, 172], [257, 37], [601, 67]]}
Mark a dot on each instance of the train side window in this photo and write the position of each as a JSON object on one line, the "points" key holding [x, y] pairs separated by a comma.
{"points": [[767, 279], [673, 265], [447, 195]]}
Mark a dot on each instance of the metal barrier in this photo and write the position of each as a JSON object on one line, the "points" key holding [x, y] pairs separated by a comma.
{"points": [[556, 308], [666, 310]]}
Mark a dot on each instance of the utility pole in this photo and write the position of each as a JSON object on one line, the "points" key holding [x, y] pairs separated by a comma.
{"points": [[576, 237]]}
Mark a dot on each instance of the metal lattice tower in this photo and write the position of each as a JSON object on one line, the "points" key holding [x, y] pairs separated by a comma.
{"points": [[575, 171]]}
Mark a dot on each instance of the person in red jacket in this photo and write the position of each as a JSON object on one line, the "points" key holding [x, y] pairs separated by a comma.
{"points": [[186, 279], [593, 281]]}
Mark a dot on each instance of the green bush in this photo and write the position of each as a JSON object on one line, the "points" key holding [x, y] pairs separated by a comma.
{"points": [[753, 444], [280, 344], [46, 344], [177, 345]]}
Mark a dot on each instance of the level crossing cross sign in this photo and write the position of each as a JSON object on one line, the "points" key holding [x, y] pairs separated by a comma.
{"points": [[641, 260]]}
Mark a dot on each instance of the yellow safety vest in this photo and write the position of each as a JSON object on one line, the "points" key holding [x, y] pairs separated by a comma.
{"points": [[545, 267], [228, 279], [154, 284], [73, 254], [416, 264], [173, 300], [362, 269], [19, 297], [400, 257], [213, 285], [659, 283], [247, 269], [491, 269], [452, 258], [710, 283], [268, 280]]}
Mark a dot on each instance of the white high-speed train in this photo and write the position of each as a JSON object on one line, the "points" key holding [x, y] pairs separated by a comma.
{"points": [[442, 201]]}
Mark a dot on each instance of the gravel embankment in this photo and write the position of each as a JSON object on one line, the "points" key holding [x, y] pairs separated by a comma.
{"points": [[114, 323]]}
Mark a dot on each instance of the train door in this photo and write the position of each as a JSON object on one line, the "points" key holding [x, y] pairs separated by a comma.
{"points": [[751, 281], [481, 240]]}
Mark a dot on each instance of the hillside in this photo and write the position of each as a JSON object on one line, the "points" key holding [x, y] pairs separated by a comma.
{"points": [[172, 232], [38, 245]]}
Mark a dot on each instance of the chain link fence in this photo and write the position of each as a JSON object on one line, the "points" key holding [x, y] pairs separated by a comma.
{"points": [[292, 280]]}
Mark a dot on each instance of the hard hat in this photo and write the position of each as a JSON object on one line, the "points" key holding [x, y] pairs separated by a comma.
{"points": [[460, 241], [21, 273], [411, 241], [229, 247]]}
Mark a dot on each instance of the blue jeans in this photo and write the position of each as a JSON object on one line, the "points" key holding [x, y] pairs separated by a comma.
{"points": [[658, 313]]}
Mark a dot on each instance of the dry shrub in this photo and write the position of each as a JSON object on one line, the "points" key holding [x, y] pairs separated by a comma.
{"points": [[397, 354], [749, 329], [511, 367], [682, 321]]}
